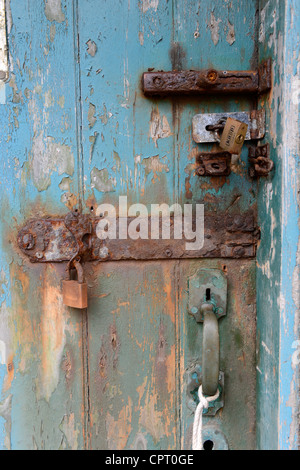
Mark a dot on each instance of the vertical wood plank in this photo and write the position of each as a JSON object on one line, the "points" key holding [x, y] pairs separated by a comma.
{"points": [[41, 362]]}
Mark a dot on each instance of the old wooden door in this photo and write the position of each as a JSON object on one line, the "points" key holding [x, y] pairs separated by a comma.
{"points": [[77, 131]]}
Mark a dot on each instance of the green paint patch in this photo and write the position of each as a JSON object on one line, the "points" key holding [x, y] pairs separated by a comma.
{"points": [[238, 339]]}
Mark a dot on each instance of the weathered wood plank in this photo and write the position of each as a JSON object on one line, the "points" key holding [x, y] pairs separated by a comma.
{"points": [[132, 356], [41, 363]]}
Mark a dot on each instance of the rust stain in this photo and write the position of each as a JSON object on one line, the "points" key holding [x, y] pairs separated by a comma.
{"points": [[153, 165], [68, 367], [118, 431], [188, 192], [152, 419], [53, 325], [23, 334], [10, 374]]}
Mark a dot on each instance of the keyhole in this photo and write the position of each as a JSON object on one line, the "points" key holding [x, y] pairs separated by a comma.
{"points": [[208, 295], [208, 445]]}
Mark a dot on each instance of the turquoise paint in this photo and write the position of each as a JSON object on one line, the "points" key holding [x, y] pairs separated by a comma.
{"points": [[37, 125], [90, 106], [111, 82], [2, 419], [277, 281], [289, 321]]}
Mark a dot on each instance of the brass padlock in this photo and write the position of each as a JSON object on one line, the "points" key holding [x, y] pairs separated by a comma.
{"points": [[233, 136], [75, 292]]}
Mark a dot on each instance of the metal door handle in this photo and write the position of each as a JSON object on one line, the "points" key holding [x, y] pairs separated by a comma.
{"points": [[210, 351]]}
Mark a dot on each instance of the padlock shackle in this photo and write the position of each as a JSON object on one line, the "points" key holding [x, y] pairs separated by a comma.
{"points": [[78, 266]]}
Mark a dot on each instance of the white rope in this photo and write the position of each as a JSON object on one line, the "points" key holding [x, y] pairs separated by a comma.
{"points": [[197, 429]]}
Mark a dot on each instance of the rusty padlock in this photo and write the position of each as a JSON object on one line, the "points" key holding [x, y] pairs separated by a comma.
{"points": [[75, 291]]}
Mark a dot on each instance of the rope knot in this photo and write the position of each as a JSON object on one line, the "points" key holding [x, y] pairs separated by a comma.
{"points": [[203, 400]]}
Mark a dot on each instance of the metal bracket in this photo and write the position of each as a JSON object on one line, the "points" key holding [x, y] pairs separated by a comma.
{"points": [[206, 127], [3, 43], [259, 159], [208, 81], [194, 380], [213, 164], [207, 286], [51, 240]]}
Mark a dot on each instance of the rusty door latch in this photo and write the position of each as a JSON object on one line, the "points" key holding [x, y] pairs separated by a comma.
{"points": [[207, 81], [74, 237], [213, 164], [207, 128], [259, 159]]}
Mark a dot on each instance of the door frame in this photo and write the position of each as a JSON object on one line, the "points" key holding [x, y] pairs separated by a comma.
{"points": [[278, 258]]}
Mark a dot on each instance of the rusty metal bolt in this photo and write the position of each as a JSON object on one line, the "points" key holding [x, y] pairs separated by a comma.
{"points": [[158, 81], [212, 76], [168, 253], [28, 241], [200, 171]]}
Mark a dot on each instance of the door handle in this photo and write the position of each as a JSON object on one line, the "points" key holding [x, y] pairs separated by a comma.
{"points": [[207, 302], [210, 351]]}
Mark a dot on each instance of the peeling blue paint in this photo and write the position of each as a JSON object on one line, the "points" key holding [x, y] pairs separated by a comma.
{"points": [[290, 270], [278, 256]]}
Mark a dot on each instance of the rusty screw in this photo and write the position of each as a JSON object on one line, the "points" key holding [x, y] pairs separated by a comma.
{"points": [[200, 171], [28, 241], [158, 81], [168, 253], [212, 76]]}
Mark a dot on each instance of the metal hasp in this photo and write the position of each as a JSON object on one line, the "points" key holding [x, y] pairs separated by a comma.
{"points": [[259, 159], [208, 127], [213, 164], [52, 240], [3, 43], [208, 81], [193, 378], [80, 226], [207, 303]]}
